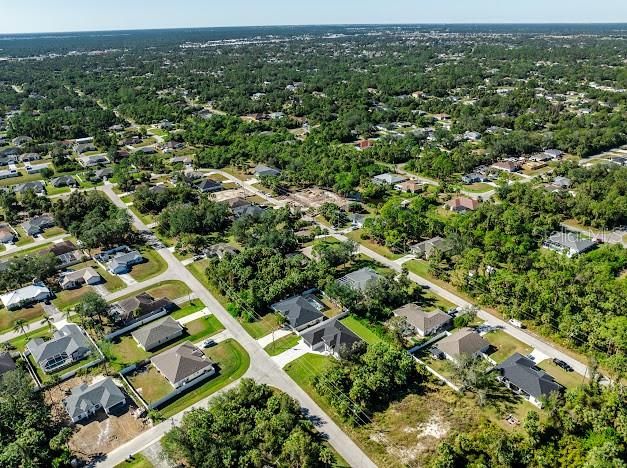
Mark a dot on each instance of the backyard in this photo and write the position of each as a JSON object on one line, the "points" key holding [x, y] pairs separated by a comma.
{"points": [[362, 329]]}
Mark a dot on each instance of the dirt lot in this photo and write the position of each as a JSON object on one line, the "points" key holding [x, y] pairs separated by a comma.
{"points": [[229, 194], [101, 433], [315, 198]]}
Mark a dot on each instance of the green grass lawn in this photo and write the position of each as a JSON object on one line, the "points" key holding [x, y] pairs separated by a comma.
{"points": [[137, 461], [71, 297], [153, 266], [361, 329], [282, 344], [20, 342], [187, 308], [232, 361], [380, 249], [158, 131], [479, 187], [172, 289], [9, 317], [29, 250], [505, 345], [125, 351], [259, 328], [20, 180], [150, 384], [52, 232], [567, 379], [23, 238], [144, 218], [52, 190]]}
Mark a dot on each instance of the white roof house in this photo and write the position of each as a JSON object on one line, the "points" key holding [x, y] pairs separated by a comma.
{"points": [[26, 295]]}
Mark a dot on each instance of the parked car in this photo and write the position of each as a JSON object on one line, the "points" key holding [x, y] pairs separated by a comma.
{"points": [[564, 365], [516, 323], [208, 343]]}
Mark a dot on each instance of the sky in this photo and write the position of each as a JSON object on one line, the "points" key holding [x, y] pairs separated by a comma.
{"points": [[25, 16]]}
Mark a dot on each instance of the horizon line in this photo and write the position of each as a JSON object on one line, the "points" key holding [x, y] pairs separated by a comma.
{"points": [[453, 23]]}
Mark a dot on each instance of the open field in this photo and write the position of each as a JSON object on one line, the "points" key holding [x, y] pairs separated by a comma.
{"points": [[69, 298], [172, 289]]}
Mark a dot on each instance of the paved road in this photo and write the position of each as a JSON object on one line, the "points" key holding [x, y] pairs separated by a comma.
{"points": [[37, 243], [263, 369], [490, 319]]}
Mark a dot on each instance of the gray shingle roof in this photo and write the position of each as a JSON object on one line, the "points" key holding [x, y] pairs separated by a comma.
{"points": [[524, 373], [360, 279], [420, 319], [84, 398], [67, 339], [180, 362], [157, 332], [298, 310], [464, 341], [333, 333]]}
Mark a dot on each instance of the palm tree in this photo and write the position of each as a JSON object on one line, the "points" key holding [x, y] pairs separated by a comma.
{"points": [[47, 320], [20, 326]]}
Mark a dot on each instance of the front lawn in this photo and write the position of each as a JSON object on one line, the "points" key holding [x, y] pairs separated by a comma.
{"points": [[153, 265], [52, 232], [232, 362], [187, 308], [68, 298], [505, 345], [567, 379], [19, 343], [282, 344], [9, 317], [172, 289], [136, 461], [362, 329], [260, 328]]}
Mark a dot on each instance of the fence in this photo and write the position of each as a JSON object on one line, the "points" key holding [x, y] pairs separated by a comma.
{"points": [[137, 323]]}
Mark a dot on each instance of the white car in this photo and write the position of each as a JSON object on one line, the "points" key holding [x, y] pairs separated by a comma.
{"points": [[516, 323]]}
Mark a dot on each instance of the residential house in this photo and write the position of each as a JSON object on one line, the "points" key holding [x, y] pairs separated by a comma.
{"points": [[157, 333], [462, 204], [301, 311], [67, 345], [36, 186], [25, 296], [410, 186], [421, 322], [147, 150], [357, 220], [464, 341], [38, 224], [568, 243], [330, 337], [521, 375], [141, 305], [507, 166], [35, 168], [75, 279], [64, 181], [554, 153], [94, 160], [10, 172], [221, 250], [185, 160], [388, 179], [28, 157], [81, 148], [364, 144], [360, 280], [266, 171], [208, 186], [85, 400], [7, 364], [66, 252], [5, 160], [247, 210], [472, 136], [7, 235], [427, 248], [540, 157], [122, 262], [102, 174], [84, 140], [183, 364], [473, 178], [619, 160], [562, 182]]}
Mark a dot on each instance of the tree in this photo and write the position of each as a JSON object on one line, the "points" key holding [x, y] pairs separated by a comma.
{"points": [[477, 376], [92, 309], [251, 425], [19, 326]]}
